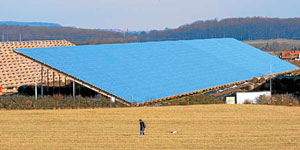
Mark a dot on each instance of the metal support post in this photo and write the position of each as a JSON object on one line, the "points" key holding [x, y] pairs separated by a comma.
{"points": [[74, 89], [35, 84], [58, 83], [42, 80], [53, 81], [271, 79], [47, 82]]}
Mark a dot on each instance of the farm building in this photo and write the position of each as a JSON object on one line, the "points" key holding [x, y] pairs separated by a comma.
{"points": [[16, 70], [157, 71]]}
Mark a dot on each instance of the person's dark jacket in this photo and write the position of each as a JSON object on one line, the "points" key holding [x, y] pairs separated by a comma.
{"points": [[142, 125]]}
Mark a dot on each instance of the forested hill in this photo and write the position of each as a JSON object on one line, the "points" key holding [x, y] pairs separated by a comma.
{"points": [[75, 35], [239, 28], [34, 24]]}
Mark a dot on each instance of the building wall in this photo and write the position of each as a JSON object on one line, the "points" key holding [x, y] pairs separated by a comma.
{"points": [[250, 96], [17, 70]]}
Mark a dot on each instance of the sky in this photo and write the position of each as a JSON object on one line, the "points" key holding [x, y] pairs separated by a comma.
{"points": [[140, 14]]}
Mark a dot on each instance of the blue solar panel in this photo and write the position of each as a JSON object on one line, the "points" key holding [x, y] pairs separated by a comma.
{"points": [[154, 70]]}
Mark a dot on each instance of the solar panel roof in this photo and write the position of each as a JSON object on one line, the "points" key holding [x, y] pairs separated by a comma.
{"points": [[153, 70]]}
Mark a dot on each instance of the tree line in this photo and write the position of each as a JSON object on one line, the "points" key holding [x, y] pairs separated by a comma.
{"points": [[76, 35], [250, 28]]}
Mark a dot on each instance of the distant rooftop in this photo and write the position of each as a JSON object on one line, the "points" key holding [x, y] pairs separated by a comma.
{"points": [[152, 70]]}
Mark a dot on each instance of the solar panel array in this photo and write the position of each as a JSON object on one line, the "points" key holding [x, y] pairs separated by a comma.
{"points": [[152, 70]]}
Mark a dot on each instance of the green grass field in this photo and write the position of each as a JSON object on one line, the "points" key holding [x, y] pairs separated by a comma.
{"points": [[198, 127]]}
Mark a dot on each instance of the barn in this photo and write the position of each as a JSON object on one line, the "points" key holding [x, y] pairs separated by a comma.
{"points": [[156, 71]]}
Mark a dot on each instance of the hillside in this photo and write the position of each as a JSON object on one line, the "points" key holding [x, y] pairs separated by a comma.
{"points": [[275, 44], [34, 24], [75, 35], [211, 127], [238, 28]]}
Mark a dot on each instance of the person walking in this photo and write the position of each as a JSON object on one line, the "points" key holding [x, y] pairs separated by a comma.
{"points": [[142, 127]]}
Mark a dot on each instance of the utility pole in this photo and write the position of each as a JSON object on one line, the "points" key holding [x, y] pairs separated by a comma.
{"points": [[132, 101]]}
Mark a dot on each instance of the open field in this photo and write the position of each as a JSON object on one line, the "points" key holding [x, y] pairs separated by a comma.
{"points": [[199, 127]]}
